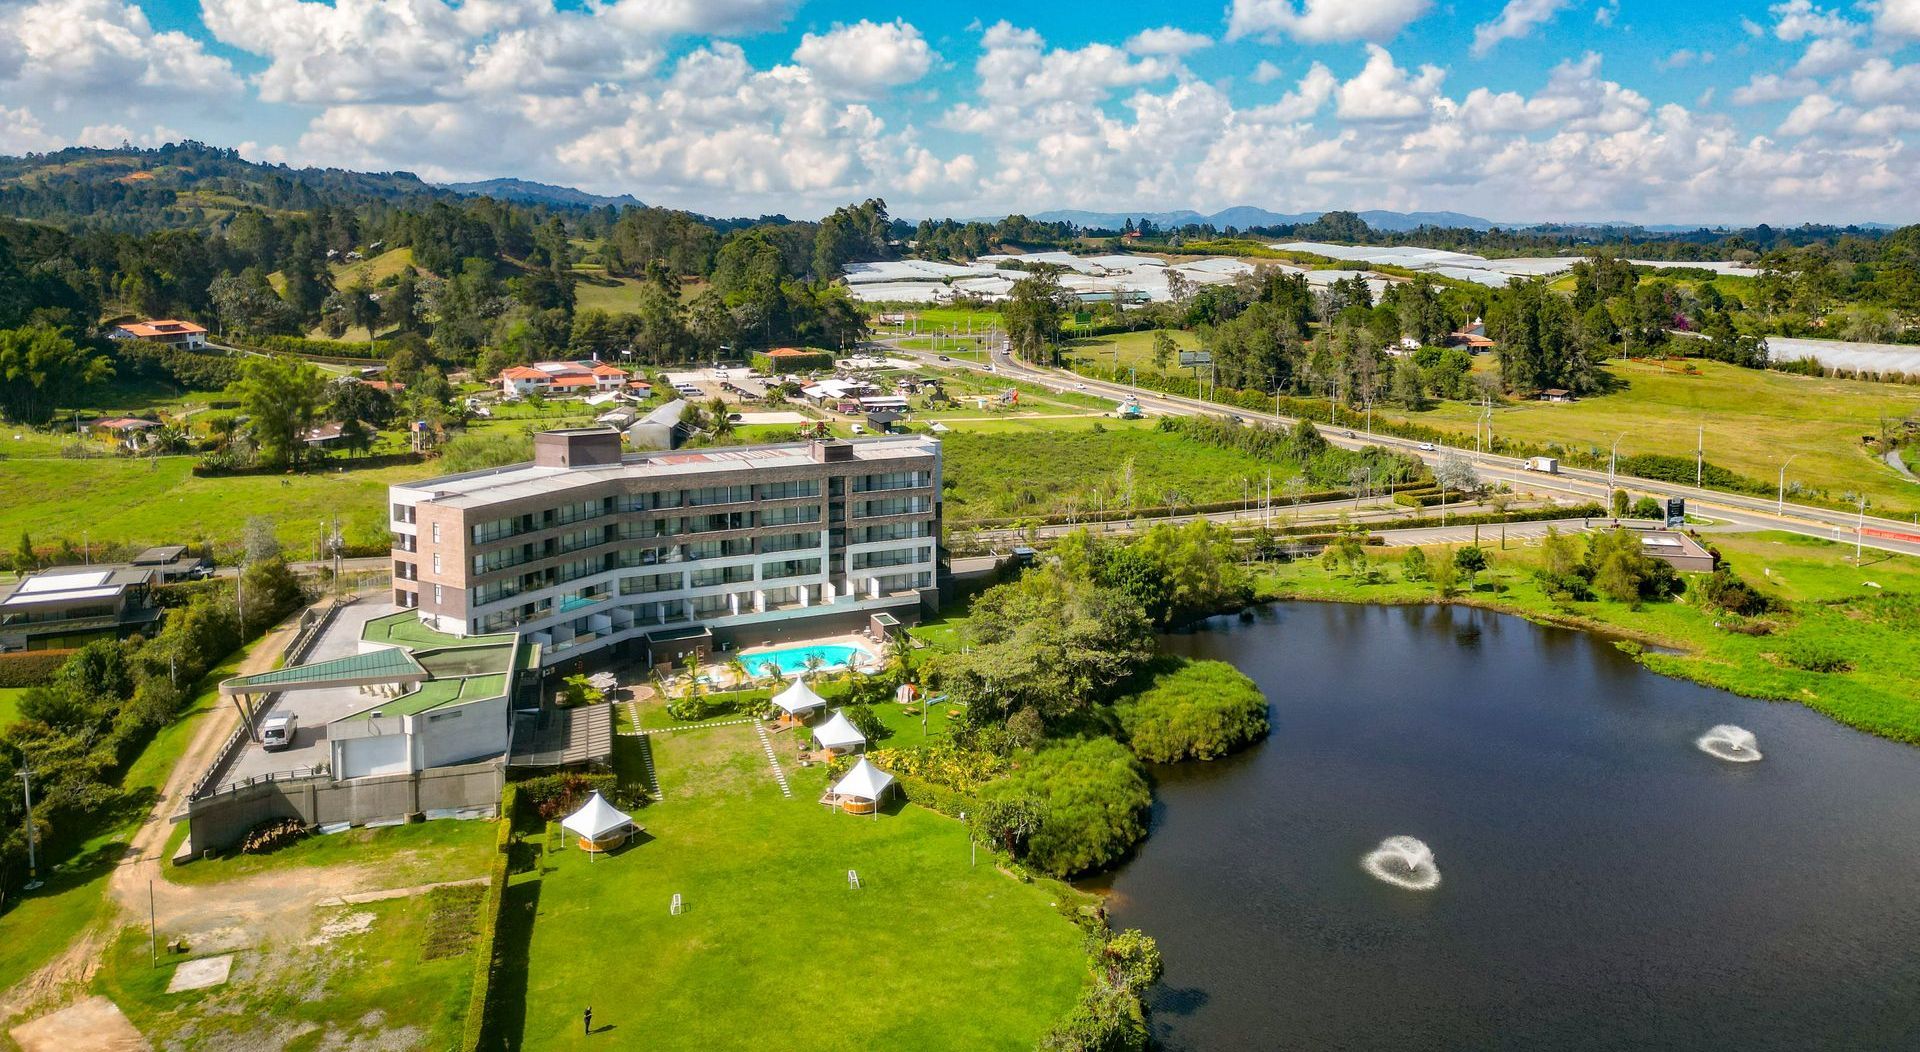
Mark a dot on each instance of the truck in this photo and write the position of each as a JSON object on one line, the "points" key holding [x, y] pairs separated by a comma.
{"points": [[1549, 465]]}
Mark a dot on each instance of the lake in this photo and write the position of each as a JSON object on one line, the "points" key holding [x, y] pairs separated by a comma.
{"points": [[1604, 883]]}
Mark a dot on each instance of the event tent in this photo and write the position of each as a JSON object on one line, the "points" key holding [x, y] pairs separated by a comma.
{"points": [[598, 824], [798, 698], [865, 784], [838, 734]]}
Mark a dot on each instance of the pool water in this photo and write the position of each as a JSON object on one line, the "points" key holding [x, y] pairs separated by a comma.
{"points": [[793, 660]]}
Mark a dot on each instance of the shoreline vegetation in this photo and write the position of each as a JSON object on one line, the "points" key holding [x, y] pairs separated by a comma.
{"points": [[1820, 632]]}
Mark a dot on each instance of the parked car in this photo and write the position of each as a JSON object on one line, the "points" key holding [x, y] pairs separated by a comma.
{"points": [[1426, 447], [859, 430], [277, 733], [946, 358]]}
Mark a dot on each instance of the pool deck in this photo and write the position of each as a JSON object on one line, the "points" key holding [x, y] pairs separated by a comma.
{"points": [[860, 643]]}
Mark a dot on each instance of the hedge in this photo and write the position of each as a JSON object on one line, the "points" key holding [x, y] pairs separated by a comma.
{"points": [[478, 1022], [31, 668], [301, 345], [551, 794], [791, 363]]}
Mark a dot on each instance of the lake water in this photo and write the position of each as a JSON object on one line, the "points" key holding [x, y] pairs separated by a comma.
{"points": [[1605, 884]]}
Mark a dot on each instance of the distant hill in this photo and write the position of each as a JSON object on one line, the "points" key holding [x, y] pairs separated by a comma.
{"points": [[1245, 216], [527, 192]]}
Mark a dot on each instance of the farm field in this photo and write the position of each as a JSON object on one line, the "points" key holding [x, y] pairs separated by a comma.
{"points": [[620, 298], [1125, 349], [773, 939], [1753, 418]]}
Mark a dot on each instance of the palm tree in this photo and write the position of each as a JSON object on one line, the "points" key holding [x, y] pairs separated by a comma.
{"points": [[717, 411], [814, 663], [770, 669], [739, 669], [900, 650]]}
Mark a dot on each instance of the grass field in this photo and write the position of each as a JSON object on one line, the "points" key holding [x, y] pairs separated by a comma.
{"points": [[10, 703], [774, 948], [375, 269], [620, 298], [407, 855], [1753, 418], [1836, 609], [1020, 469], [392, 974], [1125, 349]]}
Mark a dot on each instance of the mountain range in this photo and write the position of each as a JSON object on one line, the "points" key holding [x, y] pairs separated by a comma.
{"points": [[528, 192], [1244, 216]]}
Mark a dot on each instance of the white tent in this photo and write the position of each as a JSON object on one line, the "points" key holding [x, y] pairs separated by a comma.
{"points": [[839, 733], [865, 782], [597, 823], [798, 698]]}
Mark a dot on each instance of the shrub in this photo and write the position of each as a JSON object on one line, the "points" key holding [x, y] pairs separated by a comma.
{"points": [[791, 363], [475, 1030], [1724, 591], [31, 668], [1815, 657], [1193, 710], [553, 795], [1093, 798]]}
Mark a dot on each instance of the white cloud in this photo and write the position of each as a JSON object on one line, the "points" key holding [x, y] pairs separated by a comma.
{"points": [[1879, 80], [1305, 100], [1319, 21], [64, 51], [1168, 40], [1800, 20], [1382, 91], [866, 56], [1266, 72], [1604, 15], [1681, 58], [1771, 87], [21, 132], [1515, 21], [1897, 17]]}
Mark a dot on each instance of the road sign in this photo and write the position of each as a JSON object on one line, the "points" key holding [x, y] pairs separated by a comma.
{"points": [[1676, 511], [1195, 358]]}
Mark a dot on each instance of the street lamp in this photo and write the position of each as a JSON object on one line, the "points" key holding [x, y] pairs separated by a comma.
{"points": [[33, 866], [1613, 461], [1780, 506]]}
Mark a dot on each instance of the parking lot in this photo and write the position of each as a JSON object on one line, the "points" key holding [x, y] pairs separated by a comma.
{"points": [[314, 708]]}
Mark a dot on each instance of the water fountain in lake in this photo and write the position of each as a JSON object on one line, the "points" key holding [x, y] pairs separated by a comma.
{"points": [[1729, 743], [1405, 862]]}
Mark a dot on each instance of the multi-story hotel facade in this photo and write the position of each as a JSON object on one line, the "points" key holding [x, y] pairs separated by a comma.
{"points": [[587, 550]]}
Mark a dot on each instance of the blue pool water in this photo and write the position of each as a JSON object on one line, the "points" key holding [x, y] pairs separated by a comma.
{"points": [[794, 659]]}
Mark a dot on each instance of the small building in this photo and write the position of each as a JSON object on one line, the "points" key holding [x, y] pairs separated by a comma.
{"points": [[664, 428], [621, 418], [167, 332], [1555, 394], [126, 429], [1473, 337], [561, 378], [69, 605], [172, 562], [838, 735], [1676, 550]]}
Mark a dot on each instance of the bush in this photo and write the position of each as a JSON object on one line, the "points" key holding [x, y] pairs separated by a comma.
{"points": [[1722, 590], [1815, 657], [554, 795], [791, 363], [1093, 799], [31, 668], [1193, 710]]}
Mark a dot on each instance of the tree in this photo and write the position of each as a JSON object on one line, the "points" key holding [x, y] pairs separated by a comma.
{"points": [[258, 541], [23, 557], [1413, 565], [1618, 503], [1560, 553], [1164, 351], [1470, 560], [1007, 823], [41, 369], [1455, 473], [1033, 314], [356, 436], [281, 397], [1131, 961], [1443, 575], [1409, 386]]}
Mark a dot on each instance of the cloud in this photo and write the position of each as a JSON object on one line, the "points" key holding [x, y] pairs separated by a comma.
{"points": [[1382, 91], [1167, 40], [1516, 20], [1321, 21], [1798, 20], [1763, 88], [1897, 18], [21, 132], [1681, 58], [64, 52], [1879, 80], [1266, 72], [866, 56], [1305, 100], [1604, 15]]}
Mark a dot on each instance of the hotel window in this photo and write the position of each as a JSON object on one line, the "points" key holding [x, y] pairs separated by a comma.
{"points": [[436, 533], [436, 562], [436, 593]]}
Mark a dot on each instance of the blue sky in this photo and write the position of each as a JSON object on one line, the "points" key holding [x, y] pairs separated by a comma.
{"points": [[1511, 109]]}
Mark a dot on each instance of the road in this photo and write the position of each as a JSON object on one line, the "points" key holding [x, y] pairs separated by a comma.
{"points": [[1749, 512]]}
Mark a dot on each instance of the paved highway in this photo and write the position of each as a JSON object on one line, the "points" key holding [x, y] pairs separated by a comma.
{"points": [[1751, 512]]}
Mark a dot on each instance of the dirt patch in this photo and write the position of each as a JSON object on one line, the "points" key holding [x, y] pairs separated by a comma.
{"points": [[93, 1025], [341, 927]]}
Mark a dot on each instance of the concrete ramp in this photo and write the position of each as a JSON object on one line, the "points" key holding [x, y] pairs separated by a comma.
{"points": [[93, 1025]]}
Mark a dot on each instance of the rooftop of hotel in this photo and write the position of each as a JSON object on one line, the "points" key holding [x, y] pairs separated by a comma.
{"points": [[518, 481]]}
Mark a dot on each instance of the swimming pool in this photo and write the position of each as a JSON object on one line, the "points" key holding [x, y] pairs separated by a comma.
{"points": [[792, 660]]}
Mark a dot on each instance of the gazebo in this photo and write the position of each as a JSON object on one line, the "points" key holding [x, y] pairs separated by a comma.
{"points": [[860, 791], [599, 825], [838, 735], [798, 699]]}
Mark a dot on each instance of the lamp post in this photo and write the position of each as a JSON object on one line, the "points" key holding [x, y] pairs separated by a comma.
{"points": [[33, 865], [1780, 505], [1613, 461]]}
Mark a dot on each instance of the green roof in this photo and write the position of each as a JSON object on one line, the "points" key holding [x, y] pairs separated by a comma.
{"points": [[404, 628], [387, 663], [435, 693]]}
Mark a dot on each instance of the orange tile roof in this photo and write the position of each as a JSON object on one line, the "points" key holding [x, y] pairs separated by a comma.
{"points": [[163, 327], [522, 372], [573, 380], [604, 369]]}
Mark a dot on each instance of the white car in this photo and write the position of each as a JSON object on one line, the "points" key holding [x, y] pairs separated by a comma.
{"points": [[1426, 447], [277, 733]]}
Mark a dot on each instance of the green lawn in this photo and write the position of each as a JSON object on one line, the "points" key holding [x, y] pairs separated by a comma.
{"points": [[1753, 418], [623, 297], [1051, 466], [1836, 608], [774, 949], [407, 855], [10, 703]]}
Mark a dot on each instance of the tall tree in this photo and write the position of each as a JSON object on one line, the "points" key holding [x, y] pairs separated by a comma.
{"points": [[281, 397], [40, 369]]}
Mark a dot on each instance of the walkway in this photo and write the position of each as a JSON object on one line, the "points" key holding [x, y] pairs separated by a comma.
{"points": [[766, 742]]}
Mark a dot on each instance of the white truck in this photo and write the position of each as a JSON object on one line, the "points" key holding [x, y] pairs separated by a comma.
{"points": [[1549, 465]]}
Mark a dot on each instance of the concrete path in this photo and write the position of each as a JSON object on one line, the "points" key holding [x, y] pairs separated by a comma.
{"points": [[1892, 457], [93, 1025]]}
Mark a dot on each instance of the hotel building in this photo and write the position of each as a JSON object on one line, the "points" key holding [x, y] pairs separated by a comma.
{"points": [[587, 550]]}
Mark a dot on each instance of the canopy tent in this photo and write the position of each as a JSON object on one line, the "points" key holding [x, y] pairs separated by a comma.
{"points": [[860, 790], [838, 734], [798, 698], [598, 824]]}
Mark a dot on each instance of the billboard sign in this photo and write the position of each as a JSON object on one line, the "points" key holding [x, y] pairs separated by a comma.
{"points": [[1676, 511], [1188, 358]]}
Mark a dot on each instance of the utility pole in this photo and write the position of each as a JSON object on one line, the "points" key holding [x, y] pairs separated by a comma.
{"points": [[1859, 527], [1700, 457], [1780, 505], [33, 863]]}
